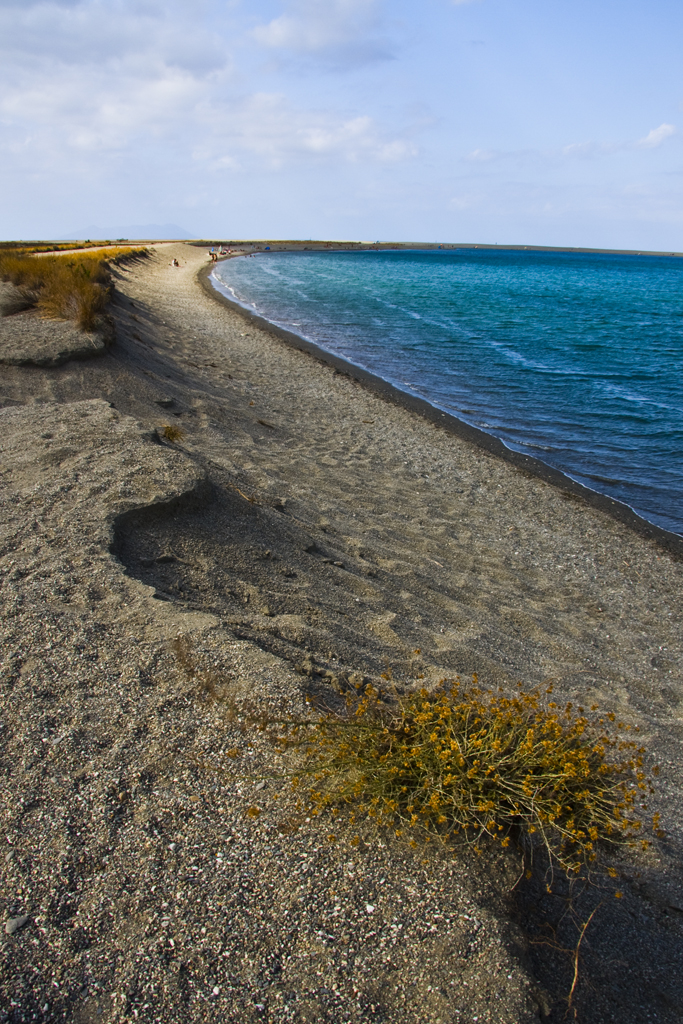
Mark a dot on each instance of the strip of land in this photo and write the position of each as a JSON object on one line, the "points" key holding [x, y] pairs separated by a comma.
{"points": [[310, 245], [305, 535]]}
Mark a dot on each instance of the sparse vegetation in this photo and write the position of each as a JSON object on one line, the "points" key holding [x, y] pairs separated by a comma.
{"points": [[69, 287], [464, 766], [29, 247], [172, 433], [470, 765]]}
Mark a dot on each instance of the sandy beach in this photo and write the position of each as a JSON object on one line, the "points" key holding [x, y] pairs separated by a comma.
{"points": [[308, 532]]}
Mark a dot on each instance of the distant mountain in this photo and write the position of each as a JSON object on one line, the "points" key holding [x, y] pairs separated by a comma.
{"points": [[129, 231]]}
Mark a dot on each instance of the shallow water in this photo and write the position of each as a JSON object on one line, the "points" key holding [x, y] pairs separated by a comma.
{"points": [[574, 358]]}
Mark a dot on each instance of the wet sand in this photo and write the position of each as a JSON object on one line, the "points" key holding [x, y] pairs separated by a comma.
{"points": [[342, 535]]}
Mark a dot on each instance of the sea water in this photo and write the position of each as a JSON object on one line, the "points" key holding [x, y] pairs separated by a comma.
{"points": [[575, 358]]}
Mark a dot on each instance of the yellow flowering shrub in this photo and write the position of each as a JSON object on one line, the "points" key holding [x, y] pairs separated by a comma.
{"points": [[462, 765]]}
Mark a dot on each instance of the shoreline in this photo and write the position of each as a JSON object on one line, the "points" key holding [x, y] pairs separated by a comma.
{"points": [[529, 464], [298, 245], [307, 533]]}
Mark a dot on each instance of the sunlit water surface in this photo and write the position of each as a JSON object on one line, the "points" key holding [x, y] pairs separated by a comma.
{"points": [[574, 358]]}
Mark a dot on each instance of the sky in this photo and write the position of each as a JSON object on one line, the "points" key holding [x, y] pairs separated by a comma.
{"points": [[530, 122]]}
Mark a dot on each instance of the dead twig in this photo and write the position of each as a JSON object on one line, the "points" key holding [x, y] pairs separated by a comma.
{"points": [[575, 979]]}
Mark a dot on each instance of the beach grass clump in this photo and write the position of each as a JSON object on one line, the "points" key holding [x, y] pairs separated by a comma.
{"points": [[74, 286], [76, 290], [172, 433], [470, 765]]}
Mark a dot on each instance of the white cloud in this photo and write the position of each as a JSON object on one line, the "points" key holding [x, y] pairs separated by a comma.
{"points": [[657, 136], [268, 127], [483, 155], [594, 149], [492, 156], [89, 76], [467, 200], [22, 5], [92, 32], [85, 78], [344, 32], [108, 116], [587, 150], [576, 150]]}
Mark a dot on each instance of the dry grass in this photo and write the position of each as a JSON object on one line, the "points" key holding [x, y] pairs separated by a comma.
{"points": [[172, 433], [37, 247], [469, 765], [75, 287]]}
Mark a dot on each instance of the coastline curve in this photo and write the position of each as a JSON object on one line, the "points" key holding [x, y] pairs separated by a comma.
{"points": [[533, 467]]}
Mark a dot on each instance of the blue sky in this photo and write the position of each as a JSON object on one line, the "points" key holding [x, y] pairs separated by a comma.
{"points": [[509, 121]]}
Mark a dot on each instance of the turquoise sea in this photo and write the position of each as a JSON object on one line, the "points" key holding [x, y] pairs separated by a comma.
{"points": [[575, 358]]}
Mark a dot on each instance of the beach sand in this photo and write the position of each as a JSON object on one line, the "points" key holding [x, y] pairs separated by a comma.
{"points": [[308, 533]]}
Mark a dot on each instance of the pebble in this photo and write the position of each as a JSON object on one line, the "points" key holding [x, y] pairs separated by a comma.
{"points": [[13, 924]]}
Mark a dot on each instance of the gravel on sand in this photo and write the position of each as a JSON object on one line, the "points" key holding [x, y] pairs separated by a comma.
{"points": [[302, 535]]}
